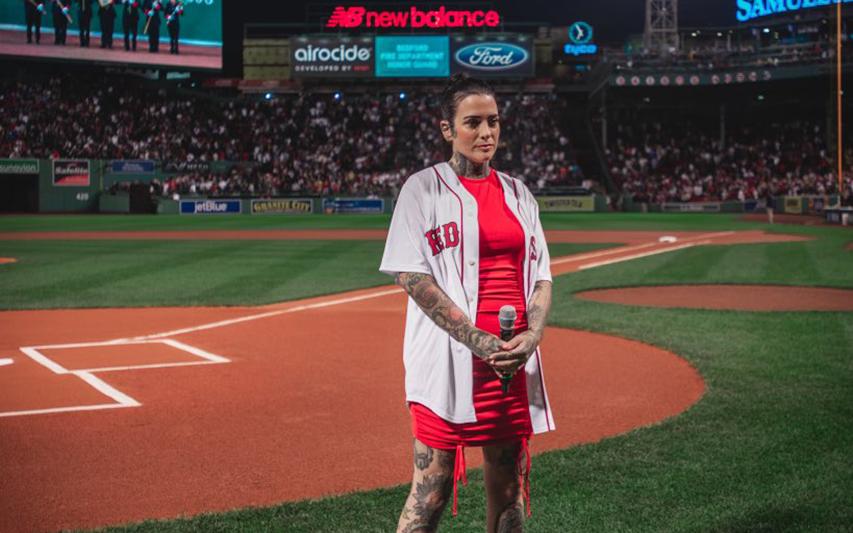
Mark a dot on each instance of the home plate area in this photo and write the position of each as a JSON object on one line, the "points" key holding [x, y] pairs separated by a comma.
{"points": [[61, 378]]}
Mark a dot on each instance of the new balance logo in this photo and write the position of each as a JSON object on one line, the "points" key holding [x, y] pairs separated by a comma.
{"points": [[346, 18]]}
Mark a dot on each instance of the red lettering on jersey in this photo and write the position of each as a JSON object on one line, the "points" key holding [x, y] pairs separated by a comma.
{"points": [[434, 240], [451, 234], [532, 248]]}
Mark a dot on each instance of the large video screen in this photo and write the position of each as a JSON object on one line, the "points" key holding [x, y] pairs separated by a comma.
{"points": [[167, 33], [412, 57]]}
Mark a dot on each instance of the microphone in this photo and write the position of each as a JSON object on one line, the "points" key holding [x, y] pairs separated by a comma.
{"points": [[506, 317]]}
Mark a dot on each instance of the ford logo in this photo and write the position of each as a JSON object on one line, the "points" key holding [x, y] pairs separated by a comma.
{"points": [[491, 56]]}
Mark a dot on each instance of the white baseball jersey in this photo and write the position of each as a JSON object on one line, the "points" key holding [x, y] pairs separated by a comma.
{"points": [[435, 231]]}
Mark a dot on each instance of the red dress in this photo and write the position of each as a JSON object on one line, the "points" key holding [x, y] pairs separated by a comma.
{"points": [[501, 418]]}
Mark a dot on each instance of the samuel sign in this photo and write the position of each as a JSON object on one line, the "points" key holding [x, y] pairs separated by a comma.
{"points": [[750, 9]]}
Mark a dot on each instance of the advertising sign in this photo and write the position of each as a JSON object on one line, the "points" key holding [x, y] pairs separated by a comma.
{"points": [[412, 57], [132, 167], [354, 205], [71, 173], [282, 206], [19, 166], [691, 207], [360, 17], [750, 9], [210, 207], [794, 205], [504, 57], [566, 204], [331, 58], [580, 35], [187, 166]]}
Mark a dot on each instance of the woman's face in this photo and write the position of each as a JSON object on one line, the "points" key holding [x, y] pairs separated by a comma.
{"points": [[476, 128]]}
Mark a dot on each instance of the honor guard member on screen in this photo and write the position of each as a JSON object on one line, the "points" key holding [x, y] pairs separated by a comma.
{"points": [[84, 20], [107, 18], [33, 12], [152, 9], [130, 22], [60, 21], [174, 10]]}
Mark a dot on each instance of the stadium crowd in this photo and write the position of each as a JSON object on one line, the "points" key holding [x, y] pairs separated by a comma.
{"points": [[313, 144], [679, 161]]}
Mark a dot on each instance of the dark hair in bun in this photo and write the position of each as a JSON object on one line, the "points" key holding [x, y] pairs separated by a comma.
{"points": [[459, 87]]}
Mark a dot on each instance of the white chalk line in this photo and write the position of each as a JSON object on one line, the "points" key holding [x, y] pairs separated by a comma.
{"points": [[623, 249], [122, 400], [5, 362], [643, 254], [119, 398]]}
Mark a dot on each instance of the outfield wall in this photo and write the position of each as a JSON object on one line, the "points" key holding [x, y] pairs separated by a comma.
{"points": [[82, 186]]}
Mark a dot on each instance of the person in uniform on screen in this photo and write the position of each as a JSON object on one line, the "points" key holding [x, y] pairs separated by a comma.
{"points": [[152, 10], [130, 23], [60, 22], [33, 11], [174, 10], [107, 17], [84, 19]]}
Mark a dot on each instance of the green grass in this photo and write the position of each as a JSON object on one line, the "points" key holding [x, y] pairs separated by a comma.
{"points": [[767, 449], [582, 221], [144, 273]]}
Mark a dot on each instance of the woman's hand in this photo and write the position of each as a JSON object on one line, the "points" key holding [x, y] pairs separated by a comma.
{"points": [[514, 353]]}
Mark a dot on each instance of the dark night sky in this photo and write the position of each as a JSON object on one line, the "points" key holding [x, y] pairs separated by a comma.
{"points": [[613, 20]]}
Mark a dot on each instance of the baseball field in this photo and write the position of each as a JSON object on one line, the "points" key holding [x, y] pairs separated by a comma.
{"points": [[244, 374]]}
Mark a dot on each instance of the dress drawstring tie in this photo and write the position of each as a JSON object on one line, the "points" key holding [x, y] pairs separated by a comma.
{"points": [[459, 472]]}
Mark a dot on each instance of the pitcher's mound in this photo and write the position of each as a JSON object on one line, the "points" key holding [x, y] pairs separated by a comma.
{"points": [[742, 297]]}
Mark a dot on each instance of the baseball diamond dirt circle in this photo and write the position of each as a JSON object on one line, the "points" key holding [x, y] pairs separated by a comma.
{"points": [[117, 415]]}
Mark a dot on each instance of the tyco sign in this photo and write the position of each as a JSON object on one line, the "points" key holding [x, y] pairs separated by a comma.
{"points": [[580, 35]]}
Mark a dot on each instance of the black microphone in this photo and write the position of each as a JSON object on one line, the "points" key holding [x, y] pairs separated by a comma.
{"points": [[506, 317]]}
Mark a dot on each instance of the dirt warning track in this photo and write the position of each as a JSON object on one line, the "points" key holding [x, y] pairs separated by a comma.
{"points": [[117, 415]]}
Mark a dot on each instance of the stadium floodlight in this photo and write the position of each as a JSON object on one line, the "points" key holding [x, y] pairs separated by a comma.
{"points": [[402, 96], [766, 30], [268, 96], [337, 96]]}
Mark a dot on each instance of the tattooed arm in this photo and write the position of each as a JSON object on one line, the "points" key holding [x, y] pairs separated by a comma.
{"points": [[522, 345], [447, 315]]}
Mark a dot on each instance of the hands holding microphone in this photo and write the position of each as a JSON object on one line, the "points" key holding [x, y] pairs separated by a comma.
{"points": [[516, 350]]}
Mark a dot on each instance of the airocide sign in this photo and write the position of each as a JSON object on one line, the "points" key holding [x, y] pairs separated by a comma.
{"points": [[344, 58], [509, 57], [360, 17]]}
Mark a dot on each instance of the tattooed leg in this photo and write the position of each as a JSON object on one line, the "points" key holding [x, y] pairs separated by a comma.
{"points": [[503, 488], [432, 488]]}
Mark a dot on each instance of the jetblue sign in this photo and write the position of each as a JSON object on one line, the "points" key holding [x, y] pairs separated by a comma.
{"points": [[511, 57], [750, 9]]}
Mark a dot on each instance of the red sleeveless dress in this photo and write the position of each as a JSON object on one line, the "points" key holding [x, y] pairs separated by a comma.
{"points": [[501, 418]]}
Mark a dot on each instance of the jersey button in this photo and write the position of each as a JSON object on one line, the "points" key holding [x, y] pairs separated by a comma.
{"points": [[471, 263]]}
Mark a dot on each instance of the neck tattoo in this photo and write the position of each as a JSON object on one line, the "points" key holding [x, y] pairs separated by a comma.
{"points": [[465, 168]]}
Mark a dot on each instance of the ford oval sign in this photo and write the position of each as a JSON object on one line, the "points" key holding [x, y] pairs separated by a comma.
{"points": [[491, 56]]}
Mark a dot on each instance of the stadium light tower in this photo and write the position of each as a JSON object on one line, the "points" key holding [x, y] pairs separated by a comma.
{"points": [[661, 25]]}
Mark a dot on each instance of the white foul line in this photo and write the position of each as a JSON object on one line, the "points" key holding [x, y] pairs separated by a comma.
{"points": [[643, 254], [267, 315], [4, 362]]}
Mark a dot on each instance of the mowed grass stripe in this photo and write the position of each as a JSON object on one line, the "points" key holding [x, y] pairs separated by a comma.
{"points": [[107, 273]]}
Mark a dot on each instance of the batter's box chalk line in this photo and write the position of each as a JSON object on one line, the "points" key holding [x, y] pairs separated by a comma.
{"points": [[119, 398]]}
